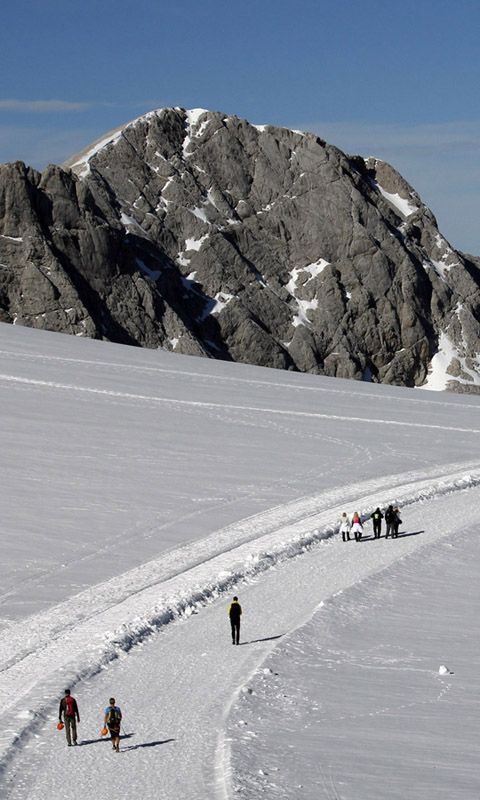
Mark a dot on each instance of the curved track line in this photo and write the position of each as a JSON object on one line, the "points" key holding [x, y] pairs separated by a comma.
{"points": [[226, 378], [45, 652], [231, 407]]}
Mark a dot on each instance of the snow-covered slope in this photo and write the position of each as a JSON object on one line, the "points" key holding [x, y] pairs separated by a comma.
{"points": [[140, 488]]}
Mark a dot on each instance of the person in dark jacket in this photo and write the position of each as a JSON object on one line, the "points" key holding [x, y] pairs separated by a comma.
{"points": [[397, 522], [390, 519], [235, 612], [68, 714], [377, 517]]}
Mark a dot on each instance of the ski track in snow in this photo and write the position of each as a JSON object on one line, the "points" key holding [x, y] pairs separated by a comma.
{"points": [[107, 620], [227, 379], [223, 407]]}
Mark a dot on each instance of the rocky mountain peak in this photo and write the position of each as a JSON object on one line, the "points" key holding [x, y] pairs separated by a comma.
{"points": [[204, 234]]}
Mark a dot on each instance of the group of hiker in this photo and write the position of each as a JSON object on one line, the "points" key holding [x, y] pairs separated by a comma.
{"points": [[68, 716], [355, 526], [68, 712]]}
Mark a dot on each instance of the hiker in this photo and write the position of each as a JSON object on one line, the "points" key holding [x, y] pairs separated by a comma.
{"points": [[377, 517], [345, 528], [235, 612], [69, 711], [390, 518], [396, 522], [357, 527], [113, 718]]}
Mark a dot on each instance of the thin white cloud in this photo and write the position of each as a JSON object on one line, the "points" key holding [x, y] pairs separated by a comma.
{"points": [[42, 106]]}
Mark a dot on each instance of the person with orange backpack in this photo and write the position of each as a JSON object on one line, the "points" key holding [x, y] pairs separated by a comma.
{"points": [[113, 718], [69, 711]]}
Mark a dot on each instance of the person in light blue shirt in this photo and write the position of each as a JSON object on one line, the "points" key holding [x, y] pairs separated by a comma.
{"points": [[113, 718]]}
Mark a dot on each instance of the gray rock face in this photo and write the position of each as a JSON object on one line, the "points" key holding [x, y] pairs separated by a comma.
{"points": [[206, 235]]}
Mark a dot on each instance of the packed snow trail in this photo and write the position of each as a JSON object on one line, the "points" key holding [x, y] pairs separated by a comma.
{"points": [[83, 634], [176, 690], [376, 696], [282, 531]]}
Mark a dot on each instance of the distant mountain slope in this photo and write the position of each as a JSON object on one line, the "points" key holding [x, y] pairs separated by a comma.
{"points": [[200, 233]]}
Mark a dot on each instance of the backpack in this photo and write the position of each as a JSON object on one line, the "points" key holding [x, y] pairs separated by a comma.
{"points": [[69, 706], [113, 718]]}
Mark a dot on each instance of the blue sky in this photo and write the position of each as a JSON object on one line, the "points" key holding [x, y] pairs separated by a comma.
{"points": [[396, 80]]}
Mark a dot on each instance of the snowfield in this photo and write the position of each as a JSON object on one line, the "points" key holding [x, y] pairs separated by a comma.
{"points": [[141, 490]]}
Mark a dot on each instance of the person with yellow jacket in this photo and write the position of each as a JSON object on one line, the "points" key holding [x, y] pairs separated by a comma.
{"points": [[235, 612]]}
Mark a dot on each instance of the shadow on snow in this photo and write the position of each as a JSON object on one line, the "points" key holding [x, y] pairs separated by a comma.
{"points": [[267, 639], [122, 739], [399, 536], [103, 739], [148, 744]]}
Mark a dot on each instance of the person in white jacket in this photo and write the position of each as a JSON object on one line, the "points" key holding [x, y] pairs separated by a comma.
{"points": [[345, 527], [357, 527]]}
